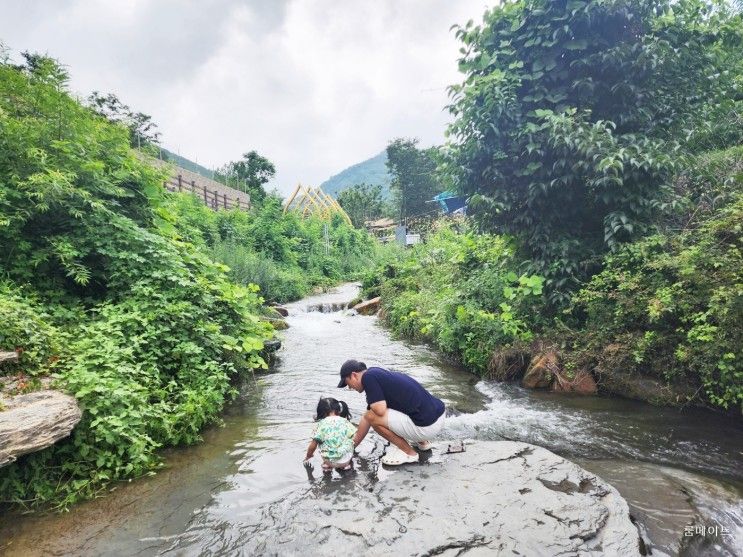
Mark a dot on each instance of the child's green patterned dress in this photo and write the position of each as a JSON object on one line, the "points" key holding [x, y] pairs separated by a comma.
{"points": [[335, 436]]}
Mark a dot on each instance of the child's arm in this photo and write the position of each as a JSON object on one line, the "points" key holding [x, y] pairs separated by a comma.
{"points": [[310, 451]]}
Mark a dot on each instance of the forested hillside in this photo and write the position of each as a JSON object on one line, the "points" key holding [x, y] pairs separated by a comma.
{"points": [[183, 162], [372, 172]]}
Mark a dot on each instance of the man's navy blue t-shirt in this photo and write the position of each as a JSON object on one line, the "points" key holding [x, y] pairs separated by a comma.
{"points": [[402, 393]]}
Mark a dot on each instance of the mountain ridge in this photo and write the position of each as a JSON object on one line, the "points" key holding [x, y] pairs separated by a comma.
{"points": [[372, 171]]}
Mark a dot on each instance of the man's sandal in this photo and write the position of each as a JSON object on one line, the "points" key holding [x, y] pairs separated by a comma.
{"points": [[423, 445], [396, 457]]}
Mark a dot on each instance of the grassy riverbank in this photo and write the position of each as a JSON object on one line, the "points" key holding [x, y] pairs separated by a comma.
{"points": [[121, 292]]}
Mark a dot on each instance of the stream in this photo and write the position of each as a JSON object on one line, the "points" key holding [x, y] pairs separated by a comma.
{"points": [[676, 469]]}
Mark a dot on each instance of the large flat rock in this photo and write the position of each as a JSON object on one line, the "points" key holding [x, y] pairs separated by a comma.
{"points": [[505, 498], [34, 421]]}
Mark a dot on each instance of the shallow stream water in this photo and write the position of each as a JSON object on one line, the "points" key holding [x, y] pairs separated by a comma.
{"points": [[676, 469]]}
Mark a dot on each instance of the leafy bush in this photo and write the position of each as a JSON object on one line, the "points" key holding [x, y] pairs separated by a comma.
{"points": [[459, 291], [710, 181], [247, 267], [675, 302], [571, 116], [28, 328], [285, 255]]}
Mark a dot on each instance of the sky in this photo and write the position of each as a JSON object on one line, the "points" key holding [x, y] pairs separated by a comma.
{"points": [[313, 85]]}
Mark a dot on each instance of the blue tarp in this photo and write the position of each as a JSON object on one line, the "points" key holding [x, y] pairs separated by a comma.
{"points": [[451, 202]]}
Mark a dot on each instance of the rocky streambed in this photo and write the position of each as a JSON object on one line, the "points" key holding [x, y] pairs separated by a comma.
{"points": [[542, 473], [495, 498]]}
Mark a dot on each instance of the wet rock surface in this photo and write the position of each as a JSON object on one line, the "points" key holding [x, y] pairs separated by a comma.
{"points": [[281, 310], [369, 307], [34, 421], [582, 383], [693, 515], [541, 371], [497, 497]]}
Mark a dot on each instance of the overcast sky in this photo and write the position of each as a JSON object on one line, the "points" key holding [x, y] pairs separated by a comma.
{"points": [[314, 85]]}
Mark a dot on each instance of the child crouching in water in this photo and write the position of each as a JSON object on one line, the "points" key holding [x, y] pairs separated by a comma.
{"points": [[334, 434]]}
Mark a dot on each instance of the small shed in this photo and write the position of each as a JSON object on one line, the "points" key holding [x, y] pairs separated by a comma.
{"points": [[382, 229]]}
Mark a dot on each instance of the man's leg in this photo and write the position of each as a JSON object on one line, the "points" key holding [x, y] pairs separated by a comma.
{"points": [[379, 424]]}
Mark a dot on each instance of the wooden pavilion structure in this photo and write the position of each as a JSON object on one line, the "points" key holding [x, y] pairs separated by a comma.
{"points": [[308, 201]]}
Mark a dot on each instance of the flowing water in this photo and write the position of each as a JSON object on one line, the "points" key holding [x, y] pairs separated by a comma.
{"points": [[676, 469]]}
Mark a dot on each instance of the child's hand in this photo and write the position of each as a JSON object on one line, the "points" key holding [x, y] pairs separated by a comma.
{"points": [[307, 463]]}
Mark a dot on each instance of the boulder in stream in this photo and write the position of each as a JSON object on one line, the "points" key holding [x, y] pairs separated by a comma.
{"points": [[496, 498], [541, 371], [368, 307], [281, 310], [34, 421], [583, 383], [278, 324]]}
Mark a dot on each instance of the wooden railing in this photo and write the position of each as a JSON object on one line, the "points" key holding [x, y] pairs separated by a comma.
{"points": [[211, 197]]}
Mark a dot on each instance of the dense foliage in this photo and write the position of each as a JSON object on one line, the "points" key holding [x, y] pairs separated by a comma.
{"points": [[571, 114], [284, 254], [111, 284], [362, 202], [672, 302], [601, 141], [459, 291]]}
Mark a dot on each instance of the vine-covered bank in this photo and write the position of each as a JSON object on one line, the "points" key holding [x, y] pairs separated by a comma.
{"points": [[120, 291]]}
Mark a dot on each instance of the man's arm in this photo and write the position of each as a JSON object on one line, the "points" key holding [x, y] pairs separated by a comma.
{"points": [[379, 409]]}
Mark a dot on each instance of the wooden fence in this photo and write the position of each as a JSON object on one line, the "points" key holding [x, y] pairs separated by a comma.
{"points": [[212, 198]]}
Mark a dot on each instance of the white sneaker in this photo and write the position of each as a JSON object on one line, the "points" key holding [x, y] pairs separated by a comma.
{"points": [[396, 457]]}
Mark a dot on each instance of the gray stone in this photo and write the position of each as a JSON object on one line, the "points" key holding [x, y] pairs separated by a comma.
{"points": [[34, 421], [281, 310], [272, 345], [278, 324], [496, 498], [8, 357]]}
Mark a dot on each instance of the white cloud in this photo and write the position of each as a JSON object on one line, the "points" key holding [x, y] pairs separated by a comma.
{"points": [[314, 85]]}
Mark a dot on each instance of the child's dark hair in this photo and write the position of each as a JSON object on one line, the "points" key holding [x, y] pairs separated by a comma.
{"points": [[328, 405]]}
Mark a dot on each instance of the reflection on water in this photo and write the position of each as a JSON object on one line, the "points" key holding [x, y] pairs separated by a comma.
{"points": [[210, 498]]}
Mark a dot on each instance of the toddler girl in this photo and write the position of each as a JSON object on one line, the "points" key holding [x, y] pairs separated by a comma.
{"points": [[334, 434]]}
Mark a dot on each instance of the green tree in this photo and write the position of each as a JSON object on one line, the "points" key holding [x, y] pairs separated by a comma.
{"points": [[142, 130], [572, 112], [414, 180], [250, 174], [362, 202]]}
